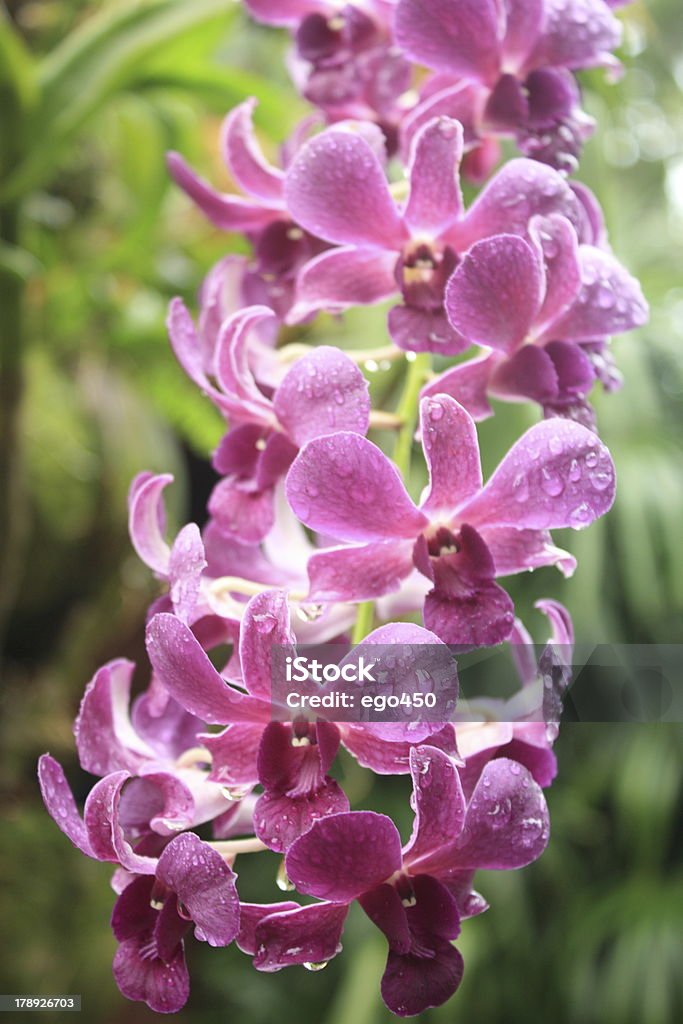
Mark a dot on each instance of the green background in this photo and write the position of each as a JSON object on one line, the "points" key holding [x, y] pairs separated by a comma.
{"points": [[93, 243]]}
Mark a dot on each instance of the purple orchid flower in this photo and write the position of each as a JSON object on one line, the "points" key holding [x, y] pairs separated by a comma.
{"points": [[290, 761], [280, 246], [344, 61], [464, 534], [154, 773], [192, 884], [542, 307], [336, 187], [417, 894], [520, 55], [321, 392]]}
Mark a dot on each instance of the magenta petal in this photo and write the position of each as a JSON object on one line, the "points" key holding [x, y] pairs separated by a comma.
{"points": [[306, 935], [340, 278], [413, 982], [187, 349], [233, 370], [495, 293], [575, 35], [556, 242], [423, 330], [345, 487], [610, 300], [451, 448], [186, 671], [284, 12], [358, 572], [435, 201], [523, 21], [241, 510], [481, 616], [145, 519], [105, 738], [280, 818], [251, 914], [575, 371], [105, 830], [185, 568], [507, 823], [384, 908], [244, 157], [230, 213], [516, 551], [234, 754], [205, 886], [438, 801], [467, 383], [521, 190], [344, 855], [60, 804], [322, 393], [265, 623], [456, 36], [337, 190], [558, 474], [529, 373], [165, 987]]}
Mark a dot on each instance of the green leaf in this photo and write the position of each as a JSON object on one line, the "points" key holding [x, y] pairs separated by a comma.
{"points": [[106, 55]]}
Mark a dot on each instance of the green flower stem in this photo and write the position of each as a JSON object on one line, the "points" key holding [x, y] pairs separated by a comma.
{"points": [[408, 409], [364, 621]]}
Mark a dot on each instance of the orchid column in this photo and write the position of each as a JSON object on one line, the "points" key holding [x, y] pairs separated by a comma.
{"points": [[312, 535]]}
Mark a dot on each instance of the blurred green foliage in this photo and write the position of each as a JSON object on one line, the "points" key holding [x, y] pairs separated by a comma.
{"points": [[94, 243]]}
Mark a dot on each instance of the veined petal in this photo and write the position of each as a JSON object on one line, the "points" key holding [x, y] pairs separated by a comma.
{"points": [[439, 804], [557, 244], [205, 886], [185, 569], [105, 738], [519, 191], [496, 292], [516, 551], [186, 671], [456, 36], [306, 935], [610, 300], [435, 200], [523, 22], [284, 12], [337, 190], [146, 520], [575, 34], [449, 439], [558, 474], [60, 804], [265, 623], [323, 392], [233, 371], [345, 855], [358, 572], [245, 159], [344, 277], [467, 383], [507, 823], [227, 212], [345, 487]]}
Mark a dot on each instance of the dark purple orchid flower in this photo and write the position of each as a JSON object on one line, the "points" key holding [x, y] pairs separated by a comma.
{"points": [[517, 58], [464, 534], [154, 773], [417, 894], [336, 187], [290, 760], [280, 246], [320, 393], [540, 306], [192, 885]]}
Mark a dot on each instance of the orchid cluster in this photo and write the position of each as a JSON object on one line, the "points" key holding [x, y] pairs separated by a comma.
{"points": [[312, 534]]}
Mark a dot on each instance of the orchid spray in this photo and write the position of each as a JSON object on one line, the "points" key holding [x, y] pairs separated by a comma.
{"points": [[312, 535]]}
